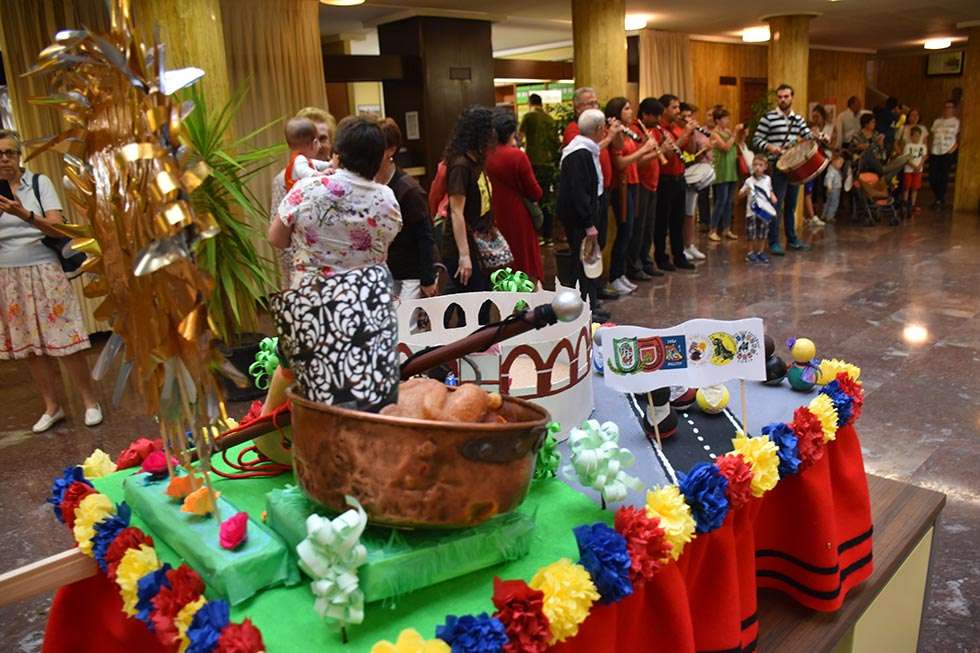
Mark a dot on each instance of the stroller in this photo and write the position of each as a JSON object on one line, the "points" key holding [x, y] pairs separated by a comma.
{"points": [[873, 200]]}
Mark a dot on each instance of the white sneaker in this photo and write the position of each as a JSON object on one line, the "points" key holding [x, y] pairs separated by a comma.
{"points": [[628, 283], [816, 222], [621, 287], [696, 253], [93, 416], [47, 421]]}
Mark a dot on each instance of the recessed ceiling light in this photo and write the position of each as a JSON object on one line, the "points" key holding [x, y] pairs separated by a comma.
{"points": [[755, 34], [635, 22], [342, 3], [938, 44]]}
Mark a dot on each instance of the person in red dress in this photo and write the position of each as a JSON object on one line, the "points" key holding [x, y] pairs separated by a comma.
{"points": [[513, 182]]}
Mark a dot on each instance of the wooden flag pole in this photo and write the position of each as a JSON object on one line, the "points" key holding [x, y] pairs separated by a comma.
{"points": [[653, 413], [745, 419]]}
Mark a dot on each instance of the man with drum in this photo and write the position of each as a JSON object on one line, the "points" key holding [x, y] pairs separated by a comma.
{"points": [[778, 131]]}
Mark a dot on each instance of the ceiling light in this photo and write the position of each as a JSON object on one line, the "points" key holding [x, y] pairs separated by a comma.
{"points": [[342, 3], [635, 22], [938, 44], [755, 34]]}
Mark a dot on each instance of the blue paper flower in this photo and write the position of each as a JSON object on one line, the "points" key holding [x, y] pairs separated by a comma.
{"points": [[473, 634], [106, 531], [788, 447], [842, 402], [146, 588], [60, 485], [205, 629], [706, 490], [604, 555]]}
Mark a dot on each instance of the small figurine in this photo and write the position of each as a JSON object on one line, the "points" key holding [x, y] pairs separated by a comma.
{"points": [[775, 366], [713, 399], [805, 370]]}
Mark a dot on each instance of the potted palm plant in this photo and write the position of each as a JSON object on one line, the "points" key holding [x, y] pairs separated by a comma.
{"points": [[242, 276]]}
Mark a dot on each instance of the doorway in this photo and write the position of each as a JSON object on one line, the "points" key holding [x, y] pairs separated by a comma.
{"points": [[753, 89]]}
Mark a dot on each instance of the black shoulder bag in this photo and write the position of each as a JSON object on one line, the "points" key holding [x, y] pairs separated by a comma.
{"points": [[70, 260]]}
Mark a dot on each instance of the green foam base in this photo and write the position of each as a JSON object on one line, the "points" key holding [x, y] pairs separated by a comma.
{"points": [[260, 561], [401, 561]]}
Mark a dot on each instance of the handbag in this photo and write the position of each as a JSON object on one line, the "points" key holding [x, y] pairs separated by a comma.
{"points": [[744, 160], [69, 259], [537, 215], [492, 250]]}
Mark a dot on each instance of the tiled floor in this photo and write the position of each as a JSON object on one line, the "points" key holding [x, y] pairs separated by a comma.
{"points": [[855, 294]]}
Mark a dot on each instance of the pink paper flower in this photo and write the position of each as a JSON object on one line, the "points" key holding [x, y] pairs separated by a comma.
{"points": [[234, 530], [155, 463]]}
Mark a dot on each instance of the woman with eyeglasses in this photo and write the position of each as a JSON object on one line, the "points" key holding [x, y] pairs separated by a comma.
{"points": [[40, 317]]}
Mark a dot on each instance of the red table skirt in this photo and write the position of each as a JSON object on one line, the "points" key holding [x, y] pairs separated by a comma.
{"points": [[810, 537]]}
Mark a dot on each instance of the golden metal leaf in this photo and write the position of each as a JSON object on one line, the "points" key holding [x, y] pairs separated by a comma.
{"points": [[86, 246], [73, 230]]}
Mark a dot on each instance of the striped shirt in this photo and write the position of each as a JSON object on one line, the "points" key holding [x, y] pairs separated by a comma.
{"points": [[777, 128]]}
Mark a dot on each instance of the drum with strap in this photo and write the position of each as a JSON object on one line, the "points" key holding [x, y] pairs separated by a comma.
{"points": [[802, 162], [699, 175], [761, 206]]}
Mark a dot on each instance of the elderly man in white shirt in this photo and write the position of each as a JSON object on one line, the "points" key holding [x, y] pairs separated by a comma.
{"points": [[848, 122]]}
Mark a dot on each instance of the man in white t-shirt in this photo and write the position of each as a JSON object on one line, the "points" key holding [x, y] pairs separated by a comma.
{"points": [[945, 141], [848, 122]]}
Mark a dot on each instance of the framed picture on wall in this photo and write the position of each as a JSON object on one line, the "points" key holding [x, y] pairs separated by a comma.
{"points": [[945, 63]]}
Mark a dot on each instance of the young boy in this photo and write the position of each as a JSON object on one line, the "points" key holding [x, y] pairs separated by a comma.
{"points": [[833, 182], [759, 210], [301, 135], [917, 151]]}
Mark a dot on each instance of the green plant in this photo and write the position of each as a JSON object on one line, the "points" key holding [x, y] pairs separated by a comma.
{"points": [[759, 109], [241, 275]]}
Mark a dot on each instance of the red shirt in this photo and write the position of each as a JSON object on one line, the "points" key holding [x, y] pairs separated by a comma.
{"points": [[605, 161], [650, 170], [629, 147], [675, 165]]}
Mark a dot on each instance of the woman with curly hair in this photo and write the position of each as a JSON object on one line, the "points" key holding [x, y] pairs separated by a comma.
{"points": [[470, 203]]}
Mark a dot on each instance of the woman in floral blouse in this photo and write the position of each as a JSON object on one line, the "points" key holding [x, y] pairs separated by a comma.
{"points": [[344, 220]]}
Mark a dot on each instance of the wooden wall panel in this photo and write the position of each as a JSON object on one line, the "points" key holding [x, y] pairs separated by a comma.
{"points": [[836, 76], [711, 61], [904, 76]]}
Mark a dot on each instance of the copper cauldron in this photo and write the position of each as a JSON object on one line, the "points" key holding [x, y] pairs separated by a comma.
{"points": [[411, 473]]}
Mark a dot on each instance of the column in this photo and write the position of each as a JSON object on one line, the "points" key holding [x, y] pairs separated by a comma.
{"points": [[599, 34], [966, 196]]}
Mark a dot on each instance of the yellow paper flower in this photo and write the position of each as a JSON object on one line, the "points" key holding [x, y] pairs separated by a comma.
{"points": [[410, 641], [823, 407], [668, 505], [135, 564], [183, 621], [830, 367], [568, 596], [98, 464], [762, 455], [93, 509]]}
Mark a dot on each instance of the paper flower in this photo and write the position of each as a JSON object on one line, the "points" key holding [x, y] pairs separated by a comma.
{"points": [[763, 457], [823, 407], [506, 280], [98, 464], [246, 638], [521, 610], [646, 542], [135, 564], [155, 464], [183, 621], [106, 532], [788, 447], [599, 462], [266, 362], [809, 436], [72, 497], [233, 530], [739, 475], [548, 459], [206, 626], [473, 634], [568, 596], [830, 368], [855, 391], [70, 475], [841, 400], [184, 586], [181, 485], [93, 509], [199, 502], [128, 538], [410, 641], [136, 452], [146, 589], [706, 492], [331, 554], [602, 551], [667, 504]]}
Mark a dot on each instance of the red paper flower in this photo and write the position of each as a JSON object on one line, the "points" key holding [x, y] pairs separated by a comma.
{"points": [[137, 452], [233, 530], [185, 586], [128, 538], [520, 610], [645, 542], [855, 391], [240, 638], [809, 436], [73, 496], [733, 467], [156, 463]]}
